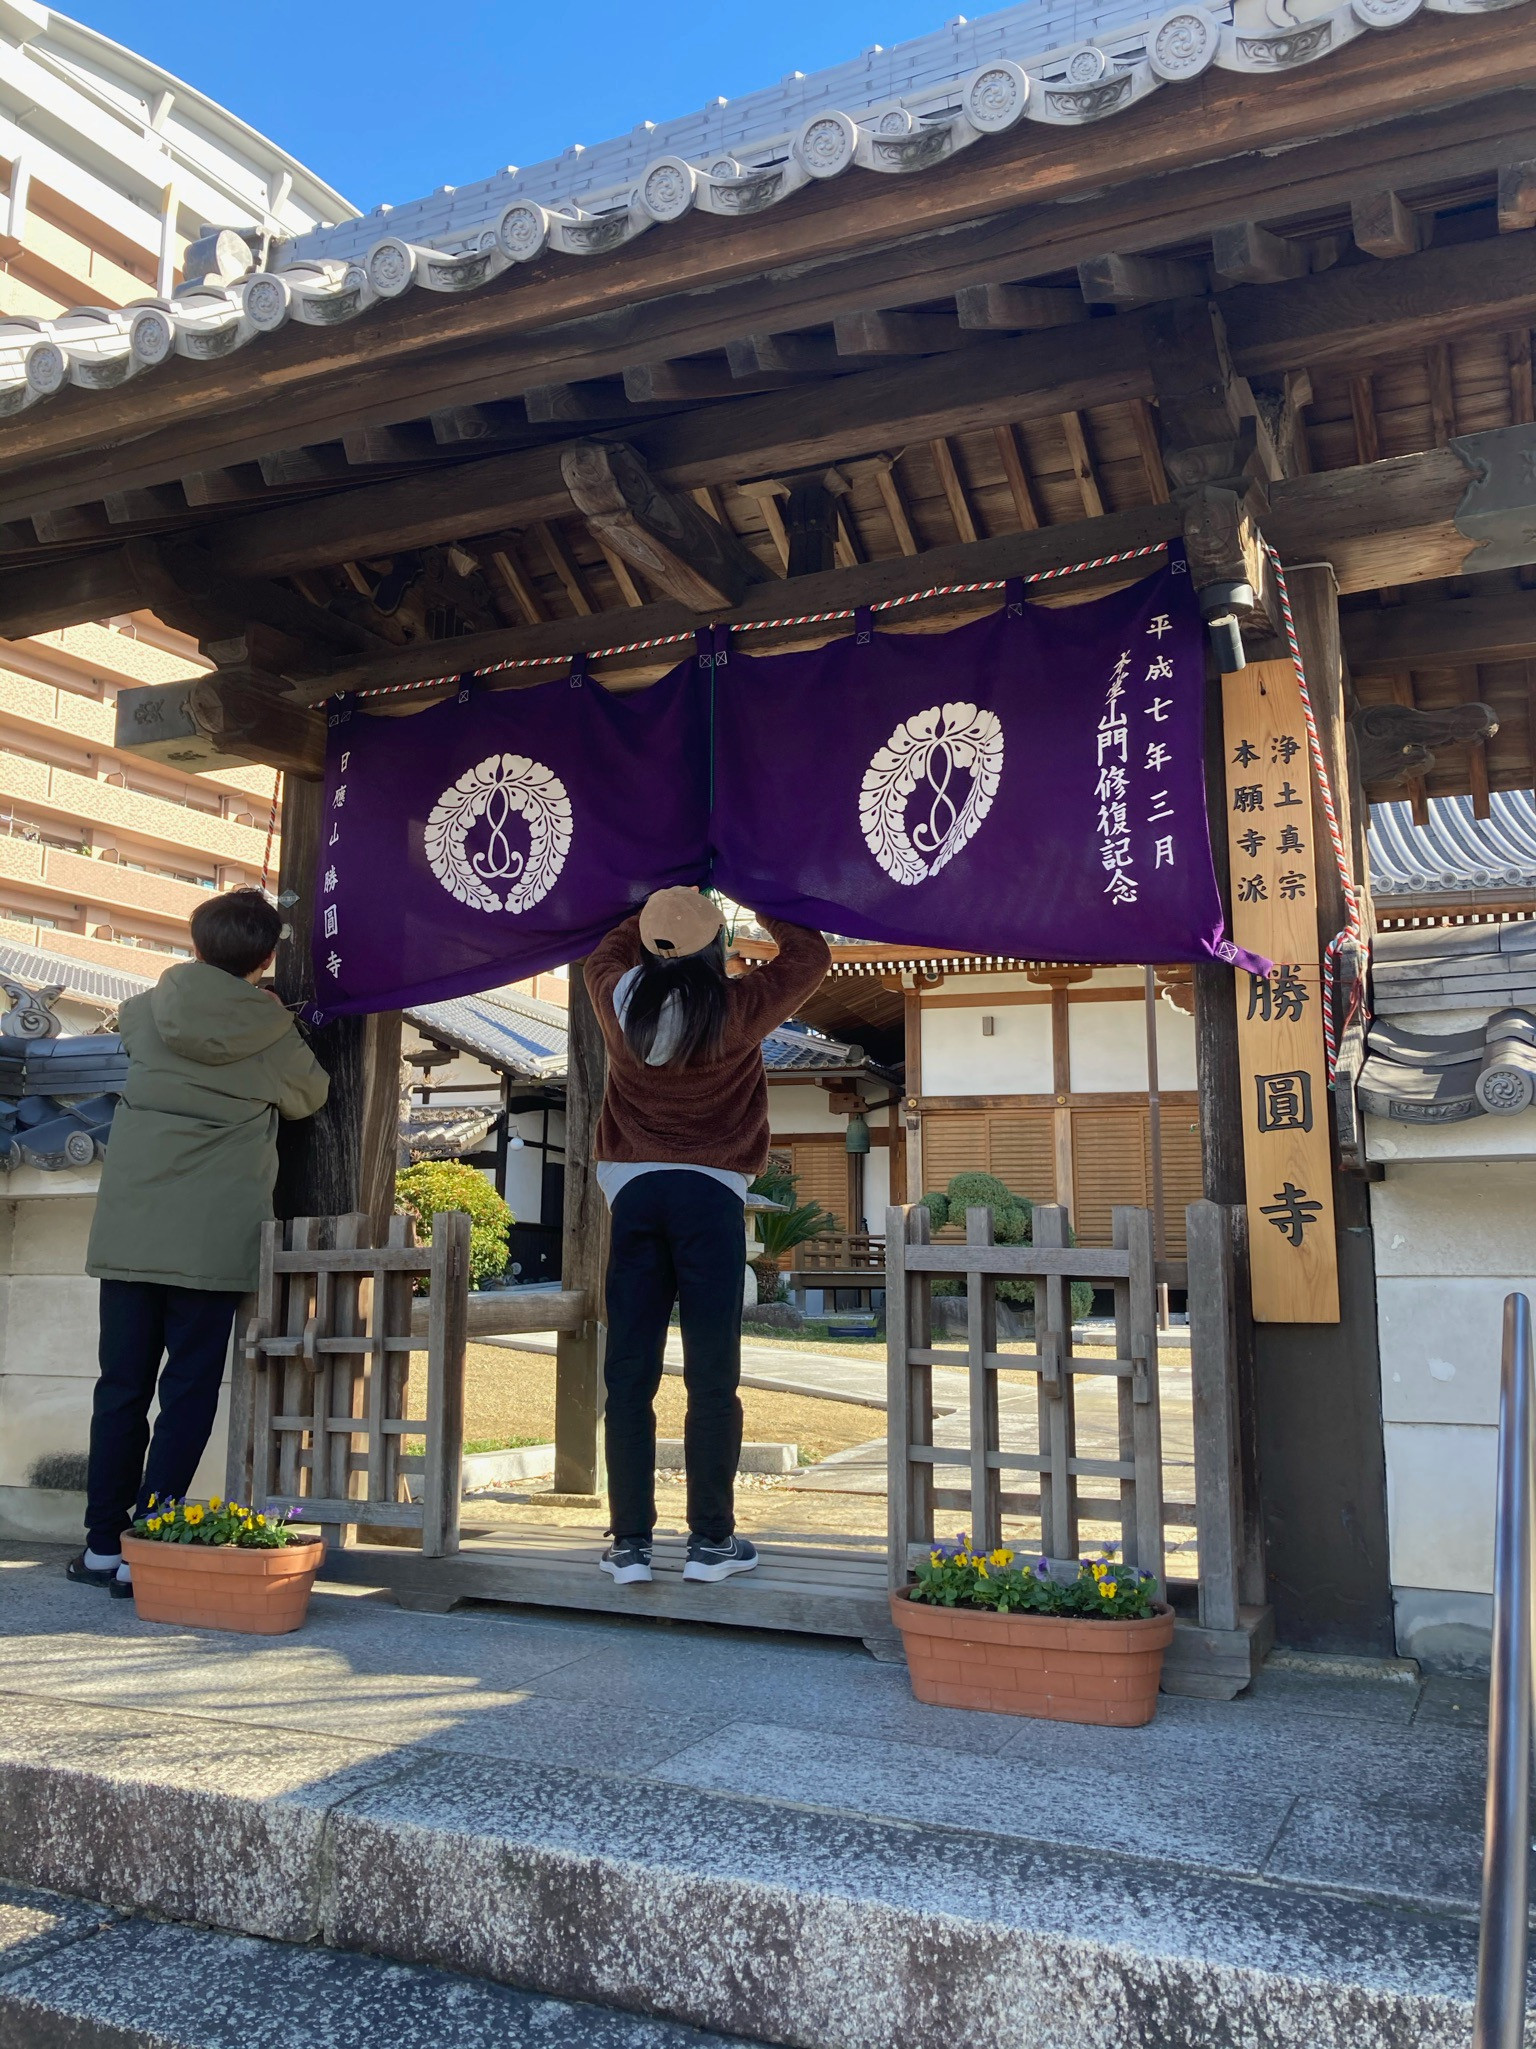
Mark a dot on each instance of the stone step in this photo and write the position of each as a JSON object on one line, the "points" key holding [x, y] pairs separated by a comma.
{"points": [[759, 1917], [74, 1976]]}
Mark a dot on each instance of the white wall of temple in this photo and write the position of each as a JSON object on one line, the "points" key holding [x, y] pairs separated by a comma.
{"points": [[48, 1356], [1107, 1039], [802, 1108], [1453, 1231]]}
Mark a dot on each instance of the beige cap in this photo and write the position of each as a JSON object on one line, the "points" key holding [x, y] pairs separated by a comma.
{"points": [[677, 922]]}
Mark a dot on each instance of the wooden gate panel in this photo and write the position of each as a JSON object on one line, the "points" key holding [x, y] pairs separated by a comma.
{"points": [[322, 1380], [912, 1264]]}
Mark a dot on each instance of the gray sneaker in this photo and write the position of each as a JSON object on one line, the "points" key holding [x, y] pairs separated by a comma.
{"points": [[719, 1561], [627, 1561]]}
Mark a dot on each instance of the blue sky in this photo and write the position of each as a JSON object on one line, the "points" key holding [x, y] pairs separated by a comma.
{"points": [[387, 99]]}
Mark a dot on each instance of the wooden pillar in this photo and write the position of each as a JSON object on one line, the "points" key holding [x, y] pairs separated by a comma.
{"points": [[579, 1391], [1321, 1449], [912, 1013], [1061, 1088], [343, 1158], [1218, 1079]]}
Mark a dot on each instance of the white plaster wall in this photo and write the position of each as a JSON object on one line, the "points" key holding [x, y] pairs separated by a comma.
{"points": [[1453, 1238], [48, 1337], [1108, 1043], [877, 1186], [802, 1107], [959, 1060]]}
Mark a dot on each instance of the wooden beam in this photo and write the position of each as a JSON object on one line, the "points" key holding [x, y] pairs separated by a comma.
{"points": [[55, 594], [1138, 280], [883, 469], [870, 583], [1150, 450], [1018, 307], [851, 548], [324, 463], [410, 441], [507, 563], [1496, 625], [1384, 226], [565, 567], [224, 487], [1517, 197], [1442, 394], [954, 490], [575, 404], [690, 556], [1247, 254], [1362, 406], [785, 355], [254, 724], [687, 380], [471, 426], [1522, 401], [1010, 449], [156, 503], [619, 569], [774, 434], [769, 494], [897, 334], [1081, 457]]}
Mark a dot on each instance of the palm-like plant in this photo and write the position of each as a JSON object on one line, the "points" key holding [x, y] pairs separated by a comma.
{"points": [[781, 1230]]}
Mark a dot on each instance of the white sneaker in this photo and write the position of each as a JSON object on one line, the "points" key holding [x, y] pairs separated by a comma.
{"points": [[627, 1562], [718, 1561]]}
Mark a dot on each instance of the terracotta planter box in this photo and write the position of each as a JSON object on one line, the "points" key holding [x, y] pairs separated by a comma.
{"points": [[207, 1586], [1052, 1666]]}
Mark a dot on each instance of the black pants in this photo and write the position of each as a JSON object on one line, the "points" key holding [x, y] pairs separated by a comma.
{"points": [[676, 1237], [141, 1323]]}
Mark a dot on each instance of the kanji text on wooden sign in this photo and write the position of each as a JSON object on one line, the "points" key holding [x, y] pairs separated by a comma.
{"points": [[1286, 1143]]}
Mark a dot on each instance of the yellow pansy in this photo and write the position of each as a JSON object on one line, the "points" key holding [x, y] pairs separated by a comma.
{"points": [[194, 1516], [1000, 1557], [981, 1567], [1107, 1590], [215, 1501]]}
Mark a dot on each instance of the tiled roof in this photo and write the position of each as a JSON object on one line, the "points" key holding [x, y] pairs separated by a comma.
{"points": [[524, 1037], [516, 1034], [78, 978], [1065, 63], [1455, 854]]}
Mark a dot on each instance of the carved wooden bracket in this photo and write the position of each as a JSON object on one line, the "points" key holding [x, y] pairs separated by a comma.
{"points": [[1499, 510], [1395, 741], [1222, 541], [680, 548]]}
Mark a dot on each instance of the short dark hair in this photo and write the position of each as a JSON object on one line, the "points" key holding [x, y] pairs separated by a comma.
{"points": [[237, 931]]}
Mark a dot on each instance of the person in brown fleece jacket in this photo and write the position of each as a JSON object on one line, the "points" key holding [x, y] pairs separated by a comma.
{"points": [[683, 1131]]}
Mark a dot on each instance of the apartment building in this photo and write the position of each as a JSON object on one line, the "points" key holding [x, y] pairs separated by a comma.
{"points": [[112, 167], [104, 856]]}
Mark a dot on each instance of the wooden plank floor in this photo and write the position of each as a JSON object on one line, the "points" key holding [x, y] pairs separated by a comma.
{"points": [[810, 1588]]}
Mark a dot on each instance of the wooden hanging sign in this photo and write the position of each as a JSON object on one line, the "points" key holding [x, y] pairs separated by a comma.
{"points": [[1287, 1148]]}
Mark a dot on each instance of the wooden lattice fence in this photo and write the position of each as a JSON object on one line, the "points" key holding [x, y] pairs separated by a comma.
{"points": [[318, 1416]]}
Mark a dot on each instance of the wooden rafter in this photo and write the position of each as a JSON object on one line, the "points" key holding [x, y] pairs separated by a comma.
{"points": [[1362, 407], [1010, 449], [565, 566], [1074, 427], [1442, 393], [507, 563], [1150, 449], [893, 498], [953, 487]]}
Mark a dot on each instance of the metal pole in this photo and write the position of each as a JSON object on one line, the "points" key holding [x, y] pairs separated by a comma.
{"points": [[1155, 1128], [1499, 2015]]}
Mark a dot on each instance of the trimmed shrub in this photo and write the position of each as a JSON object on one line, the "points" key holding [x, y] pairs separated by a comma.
{"points": [[433, 1185], [1012, 1224]]}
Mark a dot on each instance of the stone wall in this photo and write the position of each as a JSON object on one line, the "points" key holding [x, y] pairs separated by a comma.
{"points": [[1454, 1235], [48, 1355]]}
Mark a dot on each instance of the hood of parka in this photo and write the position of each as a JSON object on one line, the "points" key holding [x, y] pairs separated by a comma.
{"points": [[204, 1014]]}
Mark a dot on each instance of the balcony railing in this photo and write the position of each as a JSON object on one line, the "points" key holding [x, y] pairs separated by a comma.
{"points": [[842, 1252]]}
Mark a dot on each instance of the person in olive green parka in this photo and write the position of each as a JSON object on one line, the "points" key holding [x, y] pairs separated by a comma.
{"points": [[186, 1185]]}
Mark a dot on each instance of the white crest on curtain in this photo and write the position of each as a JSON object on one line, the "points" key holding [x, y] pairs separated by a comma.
{"points": [[494, 792], [950, 758]]}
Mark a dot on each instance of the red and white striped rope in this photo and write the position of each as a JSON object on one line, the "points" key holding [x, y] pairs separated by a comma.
{"points": [[1351, 930], [266, 859], [630, 647]]}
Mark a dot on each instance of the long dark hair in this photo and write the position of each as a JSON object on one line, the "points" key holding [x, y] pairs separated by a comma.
{"points": [[698, 981]]}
